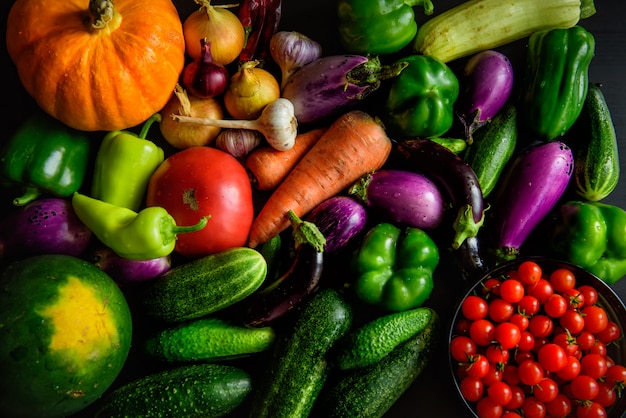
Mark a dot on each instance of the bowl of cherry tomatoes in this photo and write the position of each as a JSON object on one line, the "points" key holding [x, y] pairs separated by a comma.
{"points": [[537, 337]]}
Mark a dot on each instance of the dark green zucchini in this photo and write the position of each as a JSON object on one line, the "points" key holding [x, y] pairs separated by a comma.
{"points": [[369, 392], [596, 160], [493, 146]]}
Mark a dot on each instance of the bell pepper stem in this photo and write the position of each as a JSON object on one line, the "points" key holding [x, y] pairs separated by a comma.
{"points": [[30, 193], [147, 124], [428, 6], [184, 229], [305, 232]]}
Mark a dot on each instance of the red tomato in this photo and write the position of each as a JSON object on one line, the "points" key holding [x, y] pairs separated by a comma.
{"points": [[204, 181], [596, 318], [529, 272]]}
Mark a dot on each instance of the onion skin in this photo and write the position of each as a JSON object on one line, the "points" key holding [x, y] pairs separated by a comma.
{"points": [[331, 84], [404, 197], [125, 271], [44, 226], [487, 84], [340, 219], [532, 185]]}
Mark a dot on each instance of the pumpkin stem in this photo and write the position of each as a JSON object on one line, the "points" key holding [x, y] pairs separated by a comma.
{"points": [[101, 13]]}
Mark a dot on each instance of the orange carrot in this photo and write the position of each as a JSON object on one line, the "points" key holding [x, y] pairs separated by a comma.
{"points": [[355, 144], [268, 166]]}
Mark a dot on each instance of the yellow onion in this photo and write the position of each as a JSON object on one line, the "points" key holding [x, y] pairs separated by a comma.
{"points": [[219, 26], [249, 90]]}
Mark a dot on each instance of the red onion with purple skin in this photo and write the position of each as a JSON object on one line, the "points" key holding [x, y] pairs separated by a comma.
{"points": [[403, 197], [486, 85], [532, 185], [44, 226], [205, 78]]}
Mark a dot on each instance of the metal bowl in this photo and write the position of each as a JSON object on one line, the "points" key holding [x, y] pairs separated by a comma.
{"points": [[607, 298]]}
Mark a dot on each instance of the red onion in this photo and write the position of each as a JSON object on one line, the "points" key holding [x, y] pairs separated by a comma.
{"points": [[203, 77]]}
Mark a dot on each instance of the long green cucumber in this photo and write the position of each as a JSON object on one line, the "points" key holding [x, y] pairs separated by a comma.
{"points": [[492, 148], [298, 367], [369, 392], [209, 339], [596, 159], [204, 390], [205, 285]]}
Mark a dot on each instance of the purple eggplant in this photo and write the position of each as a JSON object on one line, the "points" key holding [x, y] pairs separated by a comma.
{"points": [[532, 185], [340, 219], [125, 271], [334, 83], [487, 83], [44, 226], [404, 197]]}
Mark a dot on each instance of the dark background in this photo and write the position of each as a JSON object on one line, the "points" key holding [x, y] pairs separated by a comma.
{"points": [[434, 392]]}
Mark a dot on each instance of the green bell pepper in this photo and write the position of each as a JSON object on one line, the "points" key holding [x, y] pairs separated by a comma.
{"points": [[123, 167], [378, 27], [394, 268], [421, 99], [593, 236], [556, 79], [45, 156], [146, 235]]}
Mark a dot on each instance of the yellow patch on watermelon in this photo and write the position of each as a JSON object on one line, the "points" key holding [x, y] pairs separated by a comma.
{"points": [[83, 326]]}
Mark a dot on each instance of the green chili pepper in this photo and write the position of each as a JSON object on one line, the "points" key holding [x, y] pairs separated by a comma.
{"points": [[556, 79], [45, 156], [377, 27], [395, 267], [421, 99], [123, 167], [593, 236], [146, 235]]}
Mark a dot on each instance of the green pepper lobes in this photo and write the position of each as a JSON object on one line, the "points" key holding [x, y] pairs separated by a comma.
{"points": [[123, 167], [378, 27], [395, 267], [556, 79], [45, 156], [421, 99], [593, 236]]}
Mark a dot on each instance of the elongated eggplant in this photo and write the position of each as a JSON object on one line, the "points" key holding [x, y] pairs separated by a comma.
{"points": [[403, 197], [125, 271], [532, 185], [334, 83], [340, 219], [301, 279], [44, 226]]}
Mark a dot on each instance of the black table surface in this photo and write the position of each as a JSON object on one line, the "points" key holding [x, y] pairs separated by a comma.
{"points": [[433, 394]]}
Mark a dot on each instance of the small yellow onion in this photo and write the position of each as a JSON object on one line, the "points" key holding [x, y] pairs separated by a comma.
{"points": [[219, 26], [249, 90]]}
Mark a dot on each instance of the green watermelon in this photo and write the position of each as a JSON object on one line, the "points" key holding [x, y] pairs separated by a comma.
{"points": [[65, 334]]}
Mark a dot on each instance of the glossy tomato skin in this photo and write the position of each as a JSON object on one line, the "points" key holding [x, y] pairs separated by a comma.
{"points": [[204, 181]]}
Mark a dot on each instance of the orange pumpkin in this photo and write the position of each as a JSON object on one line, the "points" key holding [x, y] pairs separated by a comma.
{"points": [[95, 65]]}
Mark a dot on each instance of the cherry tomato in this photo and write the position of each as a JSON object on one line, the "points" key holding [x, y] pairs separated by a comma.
{"points": [[204, 181], [500, 310], [542, 290], [567, 342], [517, 397], [560, 406], [593, 365], [486, 408], [496, 354], [585, 340], [510, 414], [596, 318], [494, 374], [572, 321], [462, 348], [507, 335], [477, 367], [598, 348], [607, 395], [590, 294], [500, 393], [552, 357], [540, 326], [590, 410], [556, 306], [571, 369], [546, 390], [584, 388], [575, 298], [481, 331], [529, 305], [533, 408], [616, 375], [562, 280], [512, 290], [491, 287], [530, 372], [471, 388], [529, 272], [474, 307], [611, 333]]}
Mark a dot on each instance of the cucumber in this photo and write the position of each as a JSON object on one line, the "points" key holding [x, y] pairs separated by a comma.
{"points": [[209, 339], [369, 392], [493, 147], [299, 366], [202, 390], [205, 285], [373, 341], [596, 159]]}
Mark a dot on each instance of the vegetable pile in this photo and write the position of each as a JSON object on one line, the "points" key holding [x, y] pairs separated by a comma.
{"points": [[290, 226]]}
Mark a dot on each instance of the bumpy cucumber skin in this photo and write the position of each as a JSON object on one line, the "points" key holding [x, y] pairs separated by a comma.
{"points": [[205, 285], [298, 367], [493, 147], [376, 339], [596, 159], [209, 339], [369, 392], [203, 390]]}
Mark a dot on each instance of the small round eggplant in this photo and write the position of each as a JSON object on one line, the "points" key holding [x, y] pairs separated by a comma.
{"points": [[339, 219], [487, 83], [125, 271], [44, 226], [404, 197]]}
